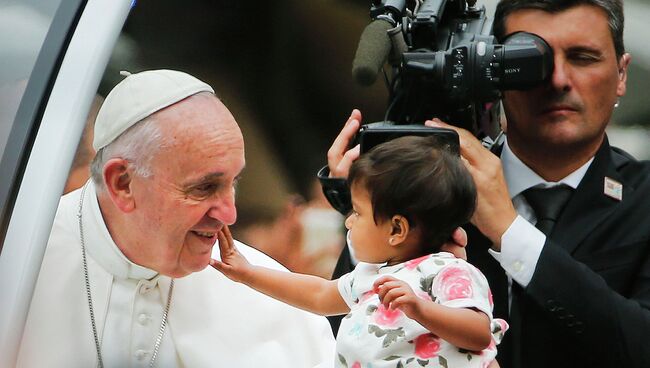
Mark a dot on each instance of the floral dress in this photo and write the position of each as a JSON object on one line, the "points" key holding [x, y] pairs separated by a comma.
{"points": [[372, 336]]}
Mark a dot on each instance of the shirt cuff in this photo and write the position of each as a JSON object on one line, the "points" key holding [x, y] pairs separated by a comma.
{"points": [[521, 246]]}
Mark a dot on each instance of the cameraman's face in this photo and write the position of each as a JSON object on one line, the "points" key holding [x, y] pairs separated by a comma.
{"points": [[571, 110]]}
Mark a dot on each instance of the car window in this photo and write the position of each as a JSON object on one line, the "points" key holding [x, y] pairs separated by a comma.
{"points": [[32, 34], [24, 25]]}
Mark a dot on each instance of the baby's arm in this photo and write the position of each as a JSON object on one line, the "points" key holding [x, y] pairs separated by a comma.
{"points": [[463, 327], [311, 293]]}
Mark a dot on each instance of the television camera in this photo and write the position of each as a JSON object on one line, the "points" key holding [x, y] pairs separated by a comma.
{"points": [[445, 63]]}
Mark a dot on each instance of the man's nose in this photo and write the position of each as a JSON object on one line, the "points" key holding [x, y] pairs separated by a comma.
{"points": [[223, 210], [561, 77]]}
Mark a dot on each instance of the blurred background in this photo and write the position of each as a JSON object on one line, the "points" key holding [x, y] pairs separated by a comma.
{"points": [[283, 69]]}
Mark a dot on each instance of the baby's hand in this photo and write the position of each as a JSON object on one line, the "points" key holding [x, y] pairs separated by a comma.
{"points": [[397, 294], [233, 265]]}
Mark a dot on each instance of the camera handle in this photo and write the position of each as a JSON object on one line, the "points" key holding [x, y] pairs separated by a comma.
{"points": [[336, 191]]}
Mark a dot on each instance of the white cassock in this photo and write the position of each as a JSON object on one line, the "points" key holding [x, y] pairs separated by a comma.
{"points": [[212, 322]]}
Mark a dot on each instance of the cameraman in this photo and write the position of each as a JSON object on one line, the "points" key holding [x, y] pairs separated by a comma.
{"points": [[576, 291]]}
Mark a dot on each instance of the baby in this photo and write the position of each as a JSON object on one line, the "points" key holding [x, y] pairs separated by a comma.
{"points": [[407, 303]]}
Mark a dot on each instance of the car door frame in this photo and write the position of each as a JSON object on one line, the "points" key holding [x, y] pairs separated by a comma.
{"points": [[68, 72]]}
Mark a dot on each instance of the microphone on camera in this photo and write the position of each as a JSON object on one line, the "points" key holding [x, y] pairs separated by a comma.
{"points": [[374, 47]]}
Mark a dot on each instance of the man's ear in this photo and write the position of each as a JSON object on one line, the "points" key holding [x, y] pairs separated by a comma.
{"points": [[118, 178], [623, 64], [399, 230]]}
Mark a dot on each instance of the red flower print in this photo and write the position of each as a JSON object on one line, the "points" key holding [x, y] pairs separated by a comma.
{"points": [[356, 365], [415, 262], [427, 346], [386, 317], [490, 298], [454, 283]]}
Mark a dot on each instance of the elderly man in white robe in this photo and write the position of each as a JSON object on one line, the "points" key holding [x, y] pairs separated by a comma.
{"points": [[124, 281]]}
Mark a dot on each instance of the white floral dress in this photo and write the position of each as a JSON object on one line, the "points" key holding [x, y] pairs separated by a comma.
{"points": [[372, 336]]}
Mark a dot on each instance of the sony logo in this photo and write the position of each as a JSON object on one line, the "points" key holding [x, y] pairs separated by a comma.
{"points": [[512, 70]]}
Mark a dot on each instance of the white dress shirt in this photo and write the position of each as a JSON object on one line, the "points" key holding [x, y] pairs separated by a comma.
{"points": [[522, 242]]}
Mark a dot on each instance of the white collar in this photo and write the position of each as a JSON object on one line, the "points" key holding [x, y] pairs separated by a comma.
{"points": [[100, 244], [520, 177]]}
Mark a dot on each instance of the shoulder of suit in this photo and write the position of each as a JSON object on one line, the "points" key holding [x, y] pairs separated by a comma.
{"points": [[631, 169]]}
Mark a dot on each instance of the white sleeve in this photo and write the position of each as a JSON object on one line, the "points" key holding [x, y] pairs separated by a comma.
{"points": [[461, 285], [521, 245], [345, 284]]}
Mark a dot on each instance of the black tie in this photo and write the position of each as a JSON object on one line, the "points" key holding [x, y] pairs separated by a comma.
{"points": [[548, 204]]}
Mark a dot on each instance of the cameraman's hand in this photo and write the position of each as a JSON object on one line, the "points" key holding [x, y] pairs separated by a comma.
{"points": [[456, 245], [339, 157], [494, 210]]}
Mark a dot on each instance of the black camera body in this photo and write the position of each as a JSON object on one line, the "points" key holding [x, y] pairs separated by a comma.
{"points": [[446, 64], [371, 135]]}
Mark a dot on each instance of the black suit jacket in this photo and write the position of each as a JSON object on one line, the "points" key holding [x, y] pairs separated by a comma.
{"points": [[588, 303]]}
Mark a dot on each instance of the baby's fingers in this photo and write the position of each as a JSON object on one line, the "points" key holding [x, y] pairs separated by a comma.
{"points": [[381, 281], [225, 234], [217, 265], [226, 244], [390, 296]]}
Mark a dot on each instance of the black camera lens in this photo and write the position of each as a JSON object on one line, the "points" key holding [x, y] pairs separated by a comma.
{"points": [[525, 61]]}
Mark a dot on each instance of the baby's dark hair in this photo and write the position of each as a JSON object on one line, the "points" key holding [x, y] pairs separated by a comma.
{"points": [[420, 179]]}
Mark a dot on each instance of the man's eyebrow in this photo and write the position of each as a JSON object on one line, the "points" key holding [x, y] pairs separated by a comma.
{"points": [[211, 177], [585, 49], [206, 178]]}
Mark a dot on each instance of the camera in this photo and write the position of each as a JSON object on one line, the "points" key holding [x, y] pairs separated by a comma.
{"points": [[371, 135], [445, 63]]}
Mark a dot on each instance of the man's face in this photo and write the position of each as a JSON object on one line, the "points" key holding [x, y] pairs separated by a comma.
{"points": [[569, 113], [191, 194]]}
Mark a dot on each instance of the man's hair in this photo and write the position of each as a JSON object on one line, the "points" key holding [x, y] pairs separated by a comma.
{"points": [[137, 145], [613, 9], [420, 179]]}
